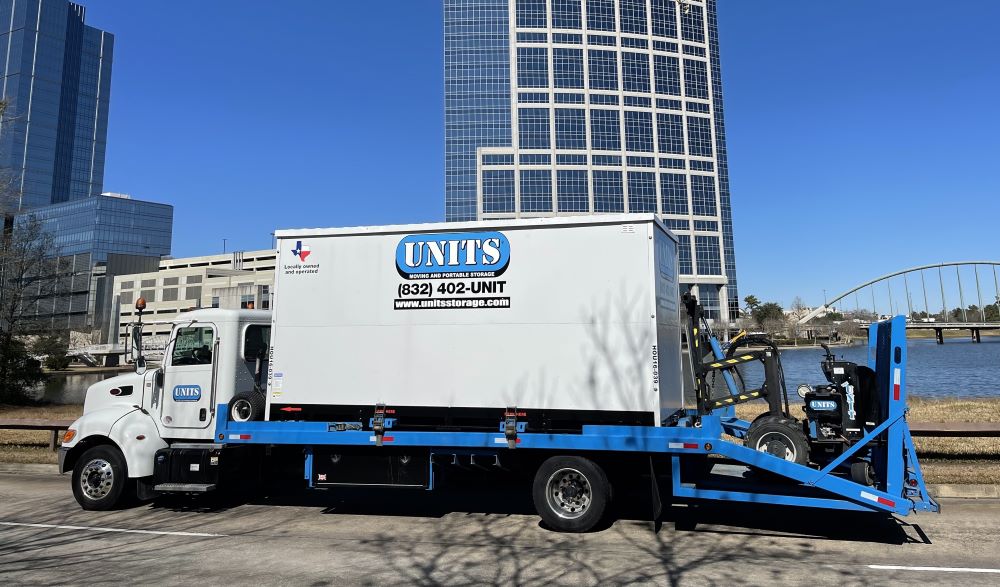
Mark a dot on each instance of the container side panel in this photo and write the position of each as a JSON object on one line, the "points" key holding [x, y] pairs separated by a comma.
{"points": [[539, 317]]}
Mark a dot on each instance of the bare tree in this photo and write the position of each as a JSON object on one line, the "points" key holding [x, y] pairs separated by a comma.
{"points": [[799, 310], [28, 274]]}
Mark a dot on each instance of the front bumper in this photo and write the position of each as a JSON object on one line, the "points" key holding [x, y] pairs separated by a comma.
{"points": [[63, 451]]}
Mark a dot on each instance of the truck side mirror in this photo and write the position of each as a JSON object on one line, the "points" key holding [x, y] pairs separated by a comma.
{"points": [[140, 365], [136, 351], [158, 378]]}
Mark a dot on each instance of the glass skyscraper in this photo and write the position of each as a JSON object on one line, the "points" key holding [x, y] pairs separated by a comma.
{"points": [[96, 239], [57, 86], [562, 107]]}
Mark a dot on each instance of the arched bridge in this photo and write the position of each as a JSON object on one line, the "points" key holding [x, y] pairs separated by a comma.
{"points": [[927, 295]]}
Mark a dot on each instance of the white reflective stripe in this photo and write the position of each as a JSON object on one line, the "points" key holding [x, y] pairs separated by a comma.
{"points": [[676, 445], [499, 441], [938, 569], [869, 496], [121, 530], [234, 437], [895, 376]]}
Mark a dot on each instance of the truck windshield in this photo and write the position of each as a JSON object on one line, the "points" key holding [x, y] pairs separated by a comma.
{"points": [[193, 346]]}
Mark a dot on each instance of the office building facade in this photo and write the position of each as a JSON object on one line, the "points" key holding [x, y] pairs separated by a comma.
{"points": [[95, 239], [57, 87], [242, 279], [562, 107]]}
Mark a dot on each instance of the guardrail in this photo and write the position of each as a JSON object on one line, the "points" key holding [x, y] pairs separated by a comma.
{"points": [[54, 426], [955, 429]]}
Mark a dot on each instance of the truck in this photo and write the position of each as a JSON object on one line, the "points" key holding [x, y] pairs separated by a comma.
{"points": [[559, 347]]}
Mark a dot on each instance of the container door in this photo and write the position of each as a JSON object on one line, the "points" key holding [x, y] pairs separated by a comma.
{"points": [[188, 378]]}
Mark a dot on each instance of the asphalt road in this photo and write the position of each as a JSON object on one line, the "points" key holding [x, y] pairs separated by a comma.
{"points": [[413, 538]]}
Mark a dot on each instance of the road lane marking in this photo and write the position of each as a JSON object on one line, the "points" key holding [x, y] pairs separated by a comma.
{"points": [[940, 569], [121, 530]]}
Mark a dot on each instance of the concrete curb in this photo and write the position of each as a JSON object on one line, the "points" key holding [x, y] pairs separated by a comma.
{"points": [[965, 491]]}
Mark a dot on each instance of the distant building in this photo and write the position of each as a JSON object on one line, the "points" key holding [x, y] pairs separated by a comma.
{"points": [[232, 280], [560, 107], [57, 84], [96, 239]]}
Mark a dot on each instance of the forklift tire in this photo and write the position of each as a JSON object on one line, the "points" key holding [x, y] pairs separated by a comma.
{"points": [[862, 472], [571, 494], [247, 407], [100, 479], [779, 436]]}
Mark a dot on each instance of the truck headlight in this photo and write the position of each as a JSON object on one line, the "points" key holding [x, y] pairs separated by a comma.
{"points": [[803, 390]]}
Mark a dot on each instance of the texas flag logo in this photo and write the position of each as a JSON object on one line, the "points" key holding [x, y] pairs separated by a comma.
{"points": [[301, 251]]}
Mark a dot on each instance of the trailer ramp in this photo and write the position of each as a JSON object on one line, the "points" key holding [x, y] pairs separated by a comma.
{"points": [[898, 482]]}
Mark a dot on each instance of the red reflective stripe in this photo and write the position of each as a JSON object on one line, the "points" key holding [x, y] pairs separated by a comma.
{"points": [[388, 438], [885, 501], [690, 445], [244, 437], [895, 392]]}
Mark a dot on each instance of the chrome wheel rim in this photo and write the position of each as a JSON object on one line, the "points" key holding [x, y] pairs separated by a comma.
{"points": [[242, 410], [97, 479], [568, 493], [772, 442]]}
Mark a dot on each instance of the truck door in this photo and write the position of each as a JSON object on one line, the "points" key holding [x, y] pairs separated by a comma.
{"points": [[188, 377]]}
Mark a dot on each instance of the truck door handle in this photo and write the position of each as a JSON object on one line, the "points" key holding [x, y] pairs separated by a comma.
{"points": [[201, 415]]}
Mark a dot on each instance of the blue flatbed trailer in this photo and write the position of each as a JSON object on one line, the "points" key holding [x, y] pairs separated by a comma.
{"points": [[898, 485]]}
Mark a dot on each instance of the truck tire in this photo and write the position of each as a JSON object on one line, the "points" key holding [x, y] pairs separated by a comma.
{"points": [[247, 407], [571, 494], [100, 479], [779, 436]]}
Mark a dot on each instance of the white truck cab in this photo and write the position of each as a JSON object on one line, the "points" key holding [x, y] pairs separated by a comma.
{"points": [[212, 357]]}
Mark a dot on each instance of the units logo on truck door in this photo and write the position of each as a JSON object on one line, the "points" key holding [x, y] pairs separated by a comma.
{"points": [[471, 262], [187, 393]]}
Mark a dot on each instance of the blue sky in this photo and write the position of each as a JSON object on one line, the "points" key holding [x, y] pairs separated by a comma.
{"points": [[863, 136]]}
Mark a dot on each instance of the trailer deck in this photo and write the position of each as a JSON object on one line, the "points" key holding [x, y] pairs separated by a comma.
{"points": [[898, 484]]}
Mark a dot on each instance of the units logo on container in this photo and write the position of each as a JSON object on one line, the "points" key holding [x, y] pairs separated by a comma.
{"points": [[453, 255], [187, 393]]}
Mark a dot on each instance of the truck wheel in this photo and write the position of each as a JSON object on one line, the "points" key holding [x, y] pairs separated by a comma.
{"points": [[100, 479], [246, 407], [779, 436], [571, 494]]}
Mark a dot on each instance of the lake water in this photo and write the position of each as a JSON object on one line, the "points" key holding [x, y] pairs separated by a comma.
{"points": [[68, 389], [958, 368]]}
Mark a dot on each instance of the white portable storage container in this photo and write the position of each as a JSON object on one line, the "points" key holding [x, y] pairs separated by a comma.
{"points": [[571, 320]]}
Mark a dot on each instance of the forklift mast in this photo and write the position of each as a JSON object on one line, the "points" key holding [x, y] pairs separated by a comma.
{"points": [[702, 342]]}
